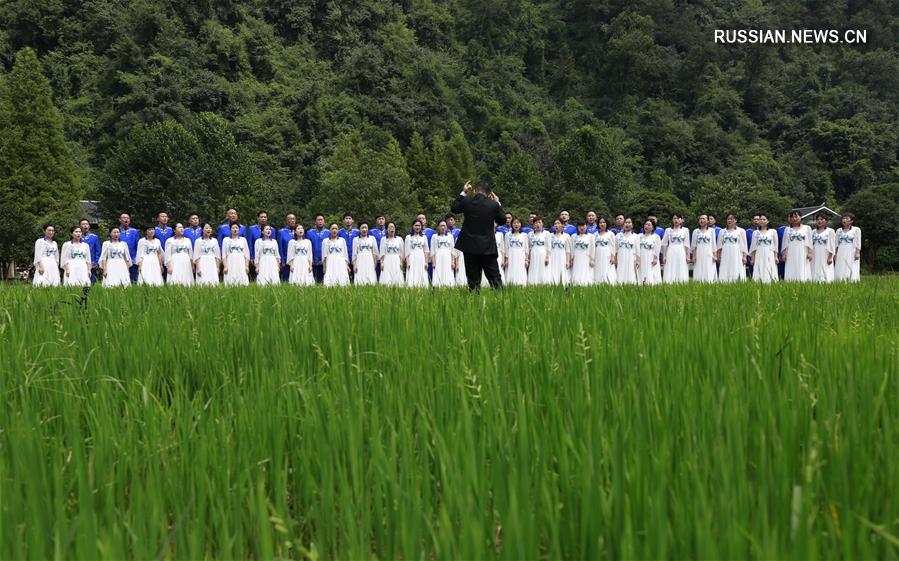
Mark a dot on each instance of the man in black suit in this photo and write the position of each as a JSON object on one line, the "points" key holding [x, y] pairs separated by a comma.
{"points": [[477, 241]]}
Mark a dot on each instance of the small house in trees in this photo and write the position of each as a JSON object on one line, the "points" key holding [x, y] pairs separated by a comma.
{"points": [[808, 213]]}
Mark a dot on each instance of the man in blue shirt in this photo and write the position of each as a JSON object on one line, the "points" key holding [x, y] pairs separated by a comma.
{"points": [[781, 265], [163, 230], [93, 242], [254, 232], [749, 232], [451, 226], [569, 229], [285, 234], [316, 235], [193, 231], [348, 233], [224, 230], [507, 227], [619, 224], [529, 227], [592, 226], [379, 230], [130, 236]]}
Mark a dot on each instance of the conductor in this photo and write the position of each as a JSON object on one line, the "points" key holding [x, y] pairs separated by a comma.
{"points": [[477, 241]]}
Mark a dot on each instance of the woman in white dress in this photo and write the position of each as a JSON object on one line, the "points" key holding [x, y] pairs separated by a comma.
{"points": [[115, 261], [516, 255], [763, 253], [267, 259], [627, 243], [393, 249], [416, 257], [582, 256], [559, 255], [442, 259], [207, 258], [604, 250], [732, 252], [299, 258], [75, 259], [824, 247], [149, 259], [797, 250], [500, 239], [179, 259], [649, 271], [676, 248], [236, 258], [365, 256], [335, 259], [538, 261], [704, 252], [46, 259], [849, 250]]}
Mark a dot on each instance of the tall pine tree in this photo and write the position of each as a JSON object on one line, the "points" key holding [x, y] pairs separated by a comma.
{"points": [[38, 177]]}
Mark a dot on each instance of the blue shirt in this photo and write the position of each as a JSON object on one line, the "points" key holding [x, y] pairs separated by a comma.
{"points": [[163, 234], [378, 234], [567, 229], [255, 233], [285, 234], [455, 232], [526, 230], [130, 236], [348, 236], [616, 230], [504, 229], [592, 229], [93, 242], [193, 233], [317, 237], [225, 232]]}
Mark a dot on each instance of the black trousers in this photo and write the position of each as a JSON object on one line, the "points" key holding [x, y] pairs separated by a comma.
{"points": [[475, 264]]}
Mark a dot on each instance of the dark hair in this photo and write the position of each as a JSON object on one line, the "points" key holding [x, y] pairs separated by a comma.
{"points": [[319, 215], [581, 223], [72, 231], [148, 227], [729, 214], [439, 222], [192, 214], [621, 215], [761, 215], [822, 215], [46, 225], [710, 215], [347, 215], [848, 215], [114, 228], [85, 220], [419, 223], [508, 214], [484, 187], [261, 212], [363, 223], [449, 215], [514, 220], [677, 215], [794, 213], [380, 216], [538, 217], [125, 213]]}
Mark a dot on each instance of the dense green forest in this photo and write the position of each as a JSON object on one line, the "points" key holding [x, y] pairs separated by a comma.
{"points": [[376, 105]]}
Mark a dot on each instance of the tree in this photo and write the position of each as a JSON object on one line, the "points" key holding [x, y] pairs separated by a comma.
{"points": [[593, 161], [875, 210], [364, 179], [519, 183], [459, 162], [180, 168], [38, 177], [649, 203], [427, 170]]}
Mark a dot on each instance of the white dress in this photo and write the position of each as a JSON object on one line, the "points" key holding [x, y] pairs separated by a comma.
{"points": [[733, 249], [823, 244], [334, 255], [627, 258], [149, 268], [796, 244], [500, 239], [392, 252], [560, 251], [365, 253], [46, 254], [417, 261], [704, 248], [207, 255], [538, 270], [650, 247], [268, 262], [517, 248], [604, 247], [442, 248], [764, 266], [299, 259], [78, 257], [676, 243], [115, 260], [847, 267], [179, 259], [236, 256], [582, 253]]}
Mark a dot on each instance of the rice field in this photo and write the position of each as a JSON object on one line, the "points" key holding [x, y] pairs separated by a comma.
{"points": [[600, 423]]}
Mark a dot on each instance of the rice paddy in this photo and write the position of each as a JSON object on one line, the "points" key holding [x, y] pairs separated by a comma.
{"points": [[602, 423]]}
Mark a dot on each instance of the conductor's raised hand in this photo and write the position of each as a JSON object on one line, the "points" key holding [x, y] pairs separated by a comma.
{"points": [[467, 187]]}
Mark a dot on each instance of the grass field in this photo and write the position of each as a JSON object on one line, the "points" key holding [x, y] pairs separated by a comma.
{"points": [[672, 422]]}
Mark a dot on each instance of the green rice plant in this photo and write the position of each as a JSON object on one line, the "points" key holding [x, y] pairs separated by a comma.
{"points": [[738, 421]]}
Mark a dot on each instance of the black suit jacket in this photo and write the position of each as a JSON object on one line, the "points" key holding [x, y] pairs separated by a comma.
{"points": [[481, 213]]}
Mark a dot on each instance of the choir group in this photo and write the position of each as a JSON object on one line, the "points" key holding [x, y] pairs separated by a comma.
{"points": [[590, 252]]}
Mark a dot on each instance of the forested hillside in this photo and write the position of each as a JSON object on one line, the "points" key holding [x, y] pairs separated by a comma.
{"points": [[374, 105]]}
